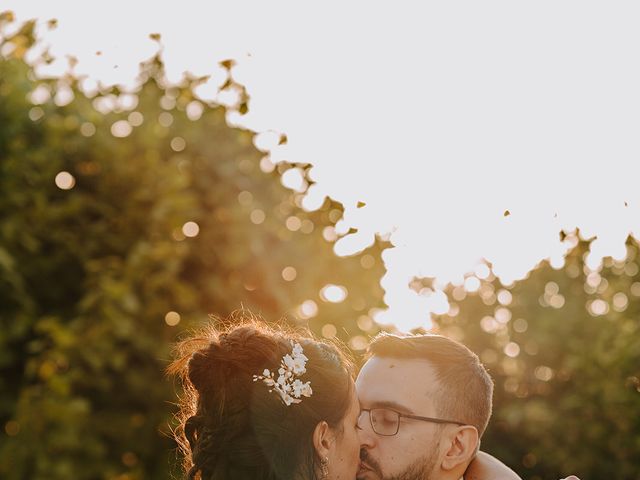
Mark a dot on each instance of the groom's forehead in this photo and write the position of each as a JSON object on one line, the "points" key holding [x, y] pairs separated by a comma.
{"points": [[383, 378]]}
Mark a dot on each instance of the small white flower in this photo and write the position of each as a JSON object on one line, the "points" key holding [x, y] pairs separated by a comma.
{"points": [[301, 389], [288, 361], [297, 349], [306, 389], [299, 364], [297, 388], [287, 385]]}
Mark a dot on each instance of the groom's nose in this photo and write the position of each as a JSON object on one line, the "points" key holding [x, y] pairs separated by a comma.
{"points": [[367, 436]]}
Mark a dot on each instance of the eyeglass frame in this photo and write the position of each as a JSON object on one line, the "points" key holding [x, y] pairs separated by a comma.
{"points": [[405, 415]]}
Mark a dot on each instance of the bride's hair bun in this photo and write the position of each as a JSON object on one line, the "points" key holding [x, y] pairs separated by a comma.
{"points": [[231, 427]]}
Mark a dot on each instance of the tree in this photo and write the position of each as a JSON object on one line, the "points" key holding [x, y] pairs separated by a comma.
{"points": [[128, 217], [564, 350]]}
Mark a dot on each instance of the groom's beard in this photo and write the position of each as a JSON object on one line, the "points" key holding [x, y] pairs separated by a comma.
{"points": [[421, 469]]}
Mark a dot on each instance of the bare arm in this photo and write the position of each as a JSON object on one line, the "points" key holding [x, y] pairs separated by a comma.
{"points": [[486, 467]]}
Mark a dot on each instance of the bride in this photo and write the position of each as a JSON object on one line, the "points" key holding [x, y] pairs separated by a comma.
{"points": [[260, 403]]}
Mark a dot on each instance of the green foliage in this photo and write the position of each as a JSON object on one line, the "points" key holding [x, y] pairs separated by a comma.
{"points": [[89, 273], [563, 347]]}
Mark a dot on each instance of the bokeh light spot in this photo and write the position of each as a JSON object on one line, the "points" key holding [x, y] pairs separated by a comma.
{"points": [[64, 96], [504, 297], [190, 229], [121, 129], [489, 324], [135, 119], [329, 331], [551, 288], [308, 309], [557, 301], [503, 315], [129, 459], [520, 325], [593, 279], [631, 269], [333, 293], [329, 234], [65, 181], [177, 234], [512, 349], [293, 223], [178, 144], [257, 216], [167, 102], [367, 261], [36, 113], [194, 110], [289, 274], [12, 428], [87, 129], [165, 119], [41, 94], [543, 373], [307, 226], [245, 198], [358, 342], [365, 323], [172, 318], [266, 165], [620, 302], [598, 307]]}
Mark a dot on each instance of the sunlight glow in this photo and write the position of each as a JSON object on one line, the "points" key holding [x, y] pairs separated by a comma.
{"points": [[468, 160]]}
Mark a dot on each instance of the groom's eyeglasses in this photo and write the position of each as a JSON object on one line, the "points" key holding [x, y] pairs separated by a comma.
{"points": [[386, 422]]}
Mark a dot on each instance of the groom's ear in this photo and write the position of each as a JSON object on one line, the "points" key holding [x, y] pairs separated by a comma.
{"points": [[322, 439], [462, 446]]}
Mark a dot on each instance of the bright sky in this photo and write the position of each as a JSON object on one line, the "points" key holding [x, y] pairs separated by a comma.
{"points": [[439, 116]]}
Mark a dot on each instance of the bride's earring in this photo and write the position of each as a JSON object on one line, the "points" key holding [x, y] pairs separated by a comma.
{"points": [[324, 467]]}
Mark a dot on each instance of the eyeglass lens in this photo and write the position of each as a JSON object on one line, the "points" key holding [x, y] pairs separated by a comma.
{"points": [[383, 421]]}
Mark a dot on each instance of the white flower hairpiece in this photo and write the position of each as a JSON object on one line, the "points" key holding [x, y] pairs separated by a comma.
{"points": [[288, 386]]}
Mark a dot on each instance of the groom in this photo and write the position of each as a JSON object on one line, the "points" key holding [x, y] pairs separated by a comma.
{"points": [[426, 400]]}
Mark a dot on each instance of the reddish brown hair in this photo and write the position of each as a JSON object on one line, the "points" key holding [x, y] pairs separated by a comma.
{"points": [[230, 427]]}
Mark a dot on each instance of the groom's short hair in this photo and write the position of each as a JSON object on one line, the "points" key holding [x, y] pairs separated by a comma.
{"points": [[466, 389]]}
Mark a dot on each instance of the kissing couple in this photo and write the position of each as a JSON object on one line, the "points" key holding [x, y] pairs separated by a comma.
{"points": [[265, 403]]}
